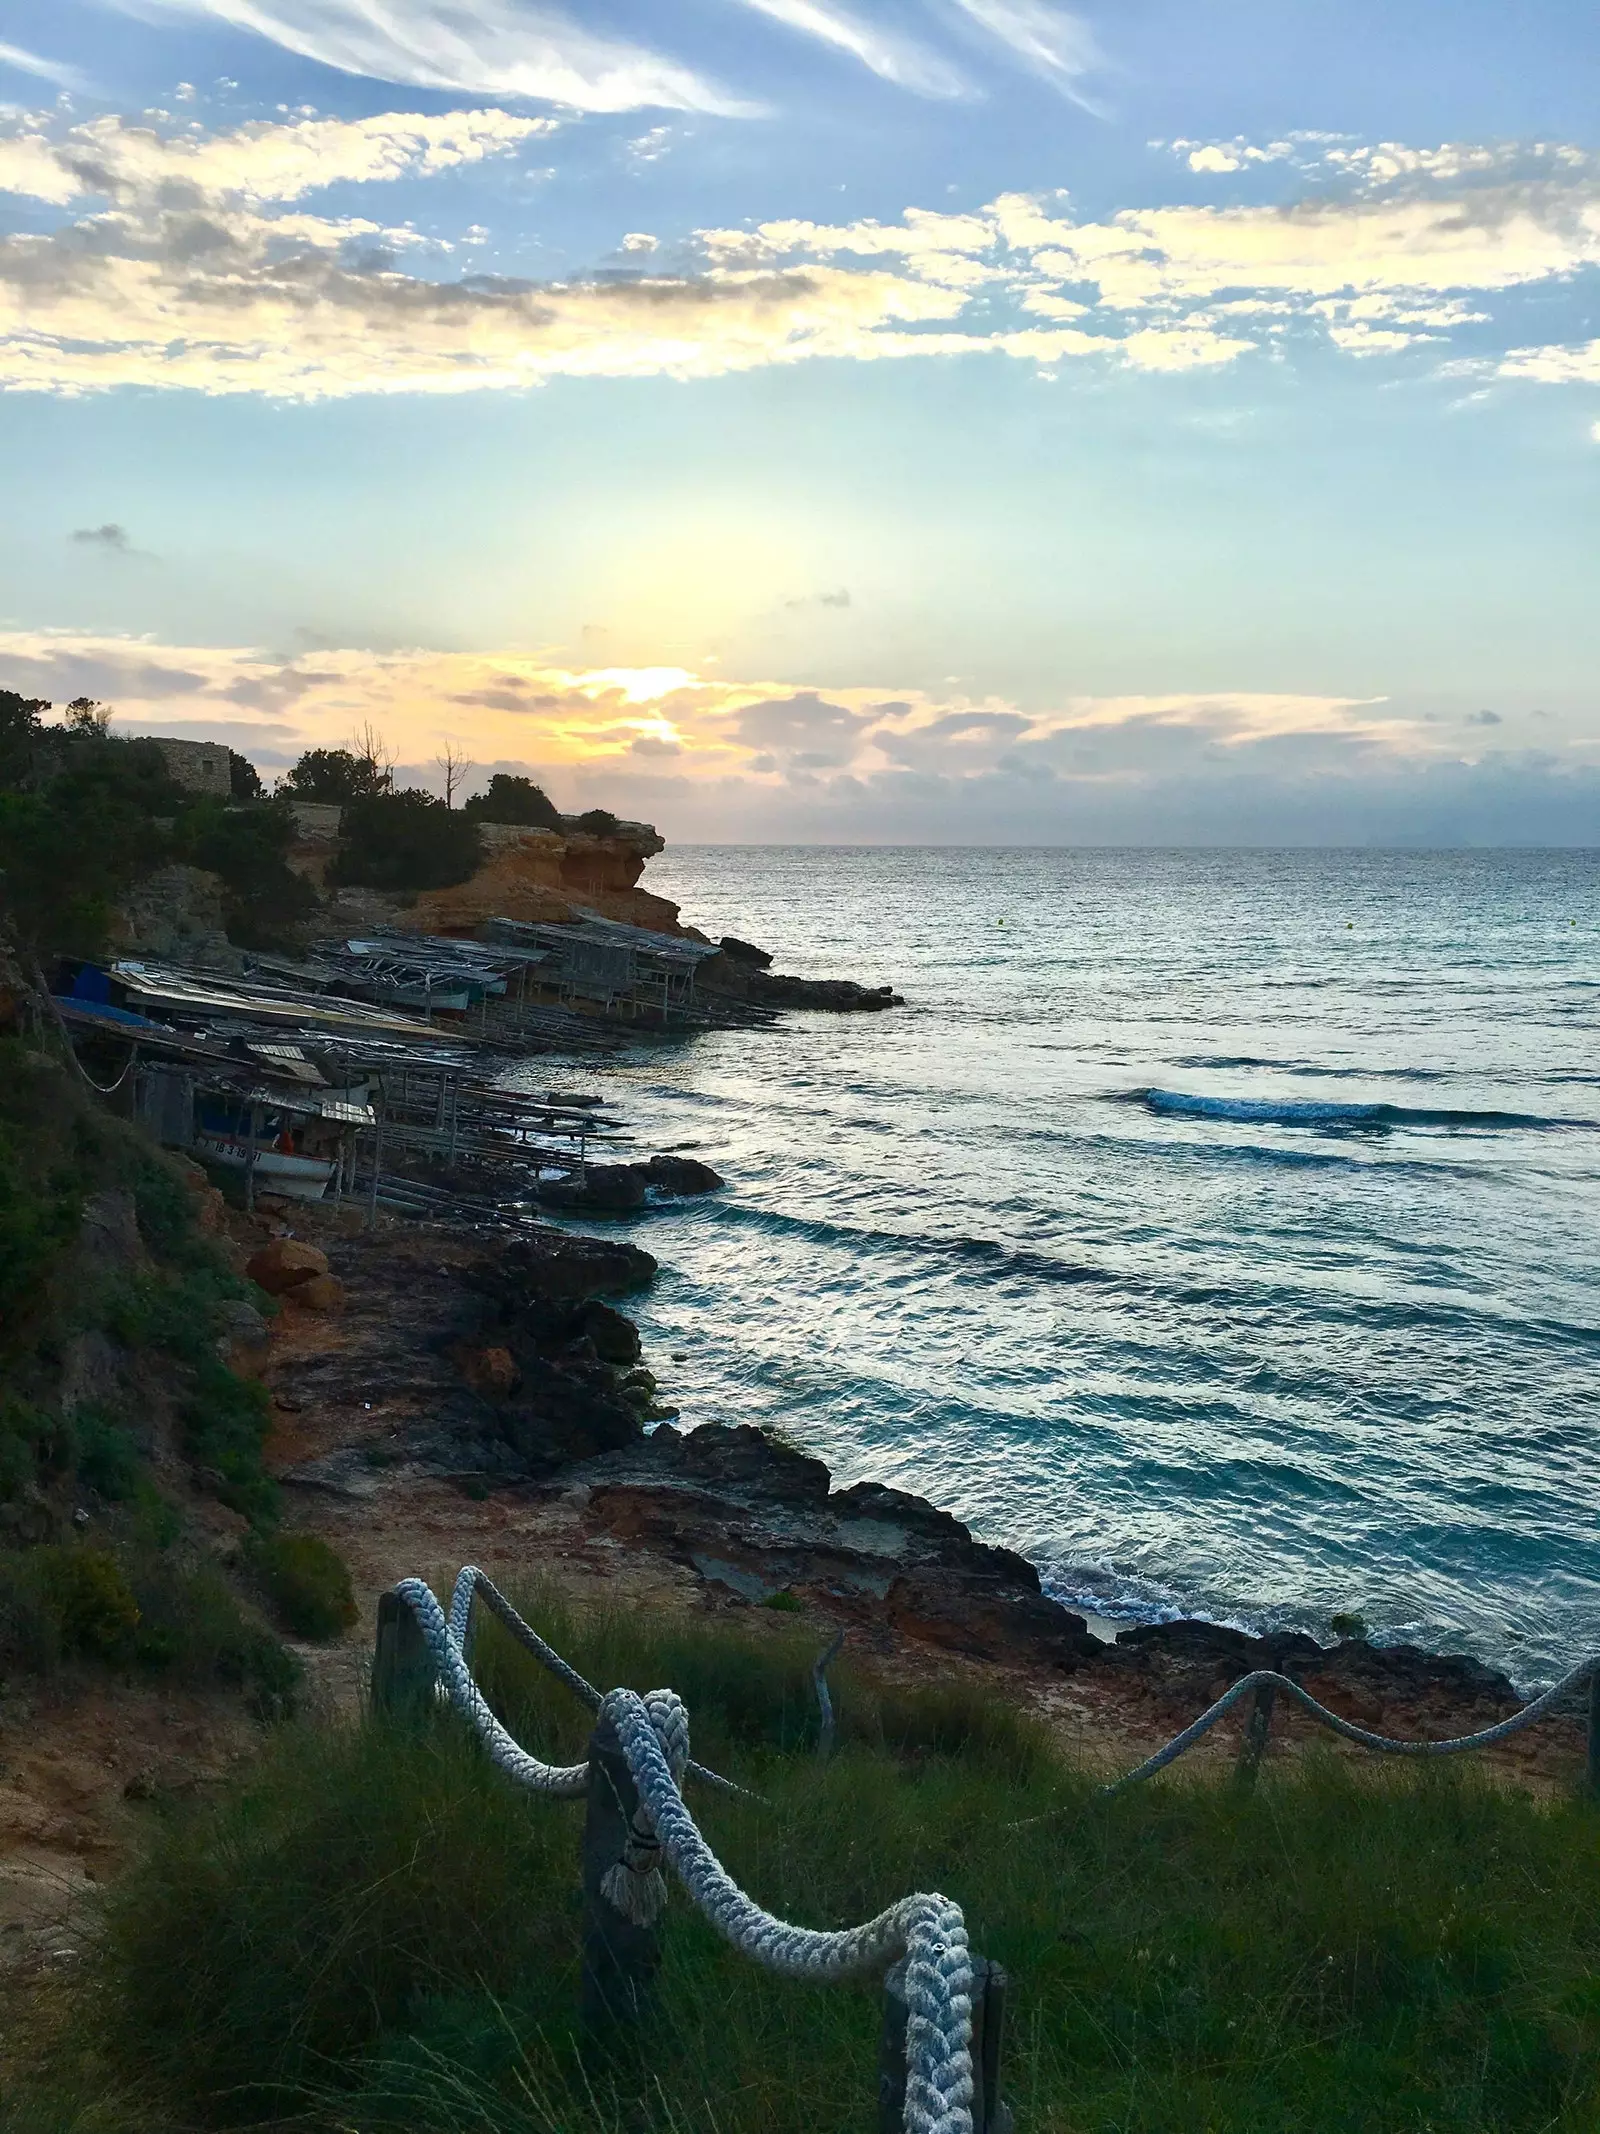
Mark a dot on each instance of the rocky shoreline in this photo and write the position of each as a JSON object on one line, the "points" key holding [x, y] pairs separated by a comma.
{"points": [[500, 1383]]}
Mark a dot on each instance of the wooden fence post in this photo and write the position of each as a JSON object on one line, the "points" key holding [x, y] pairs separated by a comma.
{"points": [[1254, 1745], [1593, 1771], [819, 1682], [402, 1666], [620, 1959], [989, 2114]]}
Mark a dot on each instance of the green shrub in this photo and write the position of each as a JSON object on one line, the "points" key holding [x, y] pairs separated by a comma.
{"points": [[109, 1459], [35, 1446], [407, 840], [30, 1634], [192, 1626], [90, 1599], [264, 901], [307, 1581], [516, 800]]}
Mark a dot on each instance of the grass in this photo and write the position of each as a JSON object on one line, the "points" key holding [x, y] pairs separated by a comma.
{"points": [[376, 1931], [307, 1581]]}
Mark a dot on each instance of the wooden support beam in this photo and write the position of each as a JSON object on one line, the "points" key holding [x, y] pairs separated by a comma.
{"points": [[620, 1958], [1254, 1746], [403, 1674]]}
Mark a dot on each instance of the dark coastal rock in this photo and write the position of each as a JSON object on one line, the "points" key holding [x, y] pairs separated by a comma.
{"points": [[602, 1189], [1188, 1664], [682, 1175], [738, 951], [840, 996], [756, 1518], [505, 1364], [736, 974], [624, 1188], [549, 1266]]}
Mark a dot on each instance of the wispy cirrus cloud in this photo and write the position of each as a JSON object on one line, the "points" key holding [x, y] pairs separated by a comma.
{"points": [[1049, 41], [480, 47], [890, 54], [42, 69]]}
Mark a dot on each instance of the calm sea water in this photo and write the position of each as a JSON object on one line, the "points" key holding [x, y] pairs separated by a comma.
{"points": [[1217, 1228]]}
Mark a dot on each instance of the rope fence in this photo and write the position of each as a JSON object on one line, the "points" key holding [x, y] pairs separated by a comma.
{"points": [[939, 2053], [939, 2057], [1266, 1684]]}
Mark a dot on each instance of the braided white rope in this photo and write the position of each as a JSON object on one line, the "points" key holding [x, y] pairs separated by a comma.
{"points": [[926, 1928], [1385, 1744], [471, 1584], [453, 1672]]}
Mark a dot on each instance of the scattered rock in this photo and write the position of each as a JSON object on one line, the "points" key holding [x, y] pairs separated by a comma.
{"points": [[322, 1293], [738, 951], [682, 1174], [244, 1339], [492, 1372], [285, 1264], [601, 1189]]}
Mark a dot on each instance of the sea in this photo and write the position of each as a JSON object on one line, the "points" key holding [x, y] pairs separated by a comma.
{"points": [[1217, 1228]]}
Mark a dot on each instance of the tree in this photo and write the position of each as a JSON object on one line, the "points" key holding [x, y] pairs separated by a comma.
{"points": [[264, 900], [599, 822], [370, 747], [100, 815], [454, 763], [516, 800], [20, 734], [86, 716], [407, 840], [244, 780], [335, 776]]}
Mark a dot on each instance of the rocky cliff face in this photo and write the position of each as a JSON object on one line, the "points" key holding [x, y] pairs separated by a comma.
{"points": [[538, 876], [177, 914]]}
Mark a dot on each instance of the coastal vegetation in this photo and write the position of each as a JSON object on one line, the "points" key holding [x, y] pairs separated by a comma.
{"points": [[374, 1929], [85, 814], [113, 1395]]}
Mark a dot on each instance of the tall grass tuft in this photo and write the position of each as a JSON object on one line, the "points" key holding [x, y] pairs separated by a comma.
{"points": [[376, 1931]]}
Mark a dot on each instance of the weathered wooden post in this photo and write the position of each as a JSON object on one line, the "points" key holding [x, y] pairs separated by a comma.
{"points": [[989, 2114], [402, 1666], [1254, 1746], [819, 1682], [620, 1958], [1593, 1771]]}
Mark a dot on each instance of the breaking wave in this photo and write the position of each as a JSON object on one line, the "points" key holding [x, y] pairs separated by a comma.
{"points": [[1311, 1111]]}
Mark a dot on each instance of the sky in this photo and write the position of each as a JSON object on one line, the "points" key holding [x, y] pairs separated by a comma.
{"points": [[844, 421]]}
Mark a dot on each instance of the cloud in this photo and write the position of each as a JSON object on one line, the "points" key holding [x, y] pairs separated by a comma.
{"points": [[838, 599], [1049, 41], [50, 70], [805, 725], [204, 272], [480, 47], [760, 758], [110, 537], [896, 59], [1484, 718], [261, 161], [1578, 365]]}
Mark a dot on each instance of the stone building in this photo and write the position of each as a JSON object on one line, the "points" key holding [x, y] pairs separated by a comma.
{"points": [[198, 766]]}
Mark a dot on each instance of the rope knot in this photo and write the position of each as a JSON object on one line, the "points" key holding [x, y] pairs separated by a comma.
{"points": [[636, 1885]]}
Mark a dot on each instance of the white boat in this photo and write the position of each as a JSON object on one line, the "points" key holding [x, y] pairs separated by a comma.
{"points": [[298, 1177]]}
